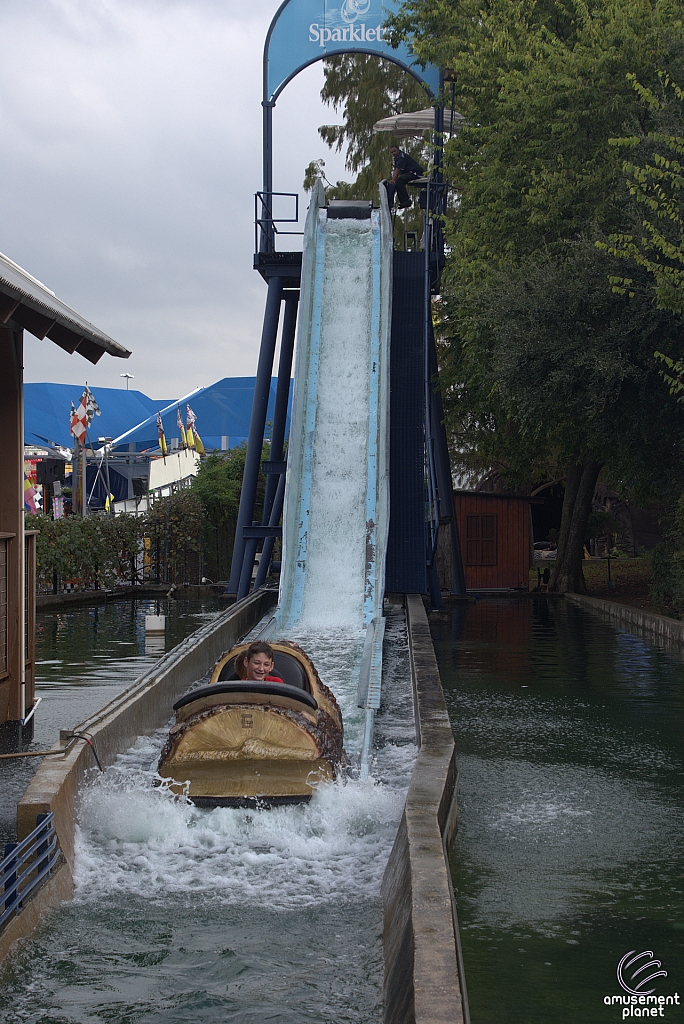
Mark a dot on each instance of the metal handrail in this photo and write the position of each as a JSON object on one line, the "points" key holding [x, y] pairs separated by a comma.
{"points": [[40, 852], [266, 225]]}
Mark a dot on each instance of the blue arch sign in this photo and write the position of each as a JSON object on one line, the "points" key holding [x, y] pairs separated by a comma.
{"points": [[304, 31]]}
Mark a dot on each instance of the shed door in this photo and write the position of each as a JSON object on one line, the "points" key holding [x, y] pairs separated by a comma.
{"points": [[480, 540]]}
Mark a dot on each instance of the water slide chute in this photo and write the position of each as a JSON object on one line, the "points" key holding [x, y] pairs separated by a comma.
{"points": [[336, 516]]}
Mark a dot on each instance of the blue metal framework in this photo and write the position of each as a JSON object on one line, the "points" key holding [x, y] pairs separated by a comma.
{"points": [[428, 76], [440, 501], [266, 225], [282, 271], [26, 865]]}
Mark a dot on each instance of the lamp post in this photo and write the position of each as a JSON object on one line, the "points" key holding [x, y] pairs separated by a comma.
{"points": [[106, 441], [128, 376]]}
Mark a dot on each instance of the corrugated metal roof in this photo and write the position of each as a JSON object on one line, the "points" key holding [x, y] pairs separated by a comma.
{"points": [[30, 304]]}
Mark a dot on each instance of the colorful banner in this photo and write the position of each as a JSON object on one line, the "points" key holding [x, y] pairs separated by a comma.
{"points": [[160, 434], [181, 427], [82, 417], [30, 487]]}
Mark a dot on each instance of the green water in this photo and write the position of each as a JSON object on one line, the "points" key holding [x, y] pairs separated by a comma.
{"points": [[570, 739]]}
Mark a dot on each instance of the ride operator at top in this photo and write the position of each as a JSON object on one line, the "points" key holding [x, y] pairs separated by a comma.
{"points": [[405, 169]]}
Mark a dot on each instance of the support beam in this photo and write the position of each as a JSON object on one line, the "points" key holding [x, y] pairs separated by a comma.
{"points": [[282, 399], [257, 423], [267, 550], [266, 239], [275, 484], [251, 543], [12, 533]]}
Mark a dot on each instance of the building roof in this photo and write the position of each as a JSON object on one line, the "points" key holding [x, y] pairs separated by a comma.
{"points": [[223, 413], [500, 495], [47, 408], [32, 306]]}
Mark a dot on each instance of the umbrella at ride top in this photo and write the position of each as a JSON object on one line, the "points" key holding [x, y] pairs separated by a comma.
{"points": [[418, 122]]}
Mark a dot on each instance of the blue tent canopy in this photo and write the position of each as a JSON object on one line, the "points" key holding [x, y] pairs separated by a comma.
{"points": [[47, 409], [223, 412]]}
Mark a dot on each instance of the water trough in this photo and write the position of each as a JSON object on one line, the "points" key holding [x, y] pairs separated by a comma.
{"points": [[423, 979], [141, 708]]}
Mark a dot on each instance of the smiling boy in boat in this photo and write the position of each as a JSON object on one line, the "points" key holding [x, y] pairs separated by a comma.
{"points": [[256, 664]]}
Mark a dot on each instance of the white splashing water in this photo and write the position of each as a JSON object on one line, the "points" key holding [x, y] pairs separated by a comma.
{"points": [[135, 838], [333, 593]]}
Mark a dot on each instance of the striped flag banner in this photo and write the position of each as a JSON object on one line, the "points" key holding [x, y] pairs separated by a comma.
{"points": [[160, 434], [181, 427], [192, 432], [79, 421]]}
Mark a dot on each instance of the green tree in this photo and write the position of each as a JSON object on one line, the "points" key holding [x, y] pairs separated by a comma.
{"points": [[175, 527], [217, 486], [544, 87], [569, 365], [365, 89], [655, 181]]}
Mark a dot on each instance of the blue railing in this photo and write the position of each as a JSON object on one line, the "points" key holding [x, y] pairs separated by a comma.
{"points": [[266, 223], [26, 865]]}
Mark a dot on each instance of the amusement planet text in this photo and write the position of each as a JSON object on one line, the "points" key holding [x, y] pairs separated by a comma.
{"points": [[642, 1006]]}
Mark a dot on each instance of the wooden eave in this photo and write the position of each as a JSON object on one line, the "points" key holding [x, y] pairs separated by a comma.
{"points": [[28, 304]]}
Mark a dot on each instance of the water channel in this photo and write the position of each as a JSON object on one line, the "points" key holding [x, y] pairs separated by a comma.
{"points": [[568, 854], [571, 805], [225, 915], [86, 655]]}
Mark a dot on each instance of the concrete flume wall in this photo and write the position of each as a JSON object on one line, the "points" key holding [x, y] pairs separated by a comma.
{"points": [[636, 620], [424, 981]]}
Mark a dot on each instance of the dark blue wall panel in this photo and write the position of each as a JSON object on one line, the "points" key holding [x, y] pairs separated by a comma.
{"points": [[407, 545]]}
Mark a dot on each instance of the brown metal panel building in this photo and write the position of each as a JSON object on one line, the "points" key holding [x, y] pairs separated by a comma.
{"points": [[495, 539]]}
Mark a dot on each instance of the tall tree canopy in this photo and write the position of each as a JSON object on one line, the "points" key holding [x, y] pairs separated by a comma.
{"points": [[548, 372], [544, 87], [655, 180]]}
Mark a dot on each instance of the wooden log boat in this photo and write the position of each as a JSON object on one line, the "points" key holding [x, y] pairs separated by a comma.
{"points": [[240, 743]]}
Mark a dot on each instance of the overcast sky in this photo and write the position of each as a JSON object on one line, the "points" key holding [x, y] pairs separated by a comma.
{"points": [[130, 151]]}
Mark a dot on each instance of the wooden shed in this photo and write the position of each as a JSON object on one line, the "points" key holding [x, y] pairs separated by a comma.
{"points": [[495, 539], [25, 304]]}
